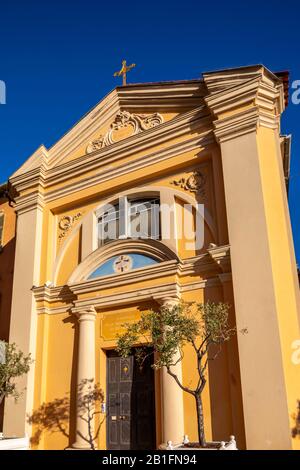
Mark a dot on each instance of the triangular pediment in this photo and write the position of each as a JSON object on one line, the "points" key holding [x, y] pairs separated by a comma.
{"points": [[124, 112], [129, 111], [122, 125]]}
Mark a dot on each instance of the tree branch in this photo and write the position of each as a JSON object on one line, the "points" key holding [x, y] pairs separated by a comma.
{"points": [[185, 389]]}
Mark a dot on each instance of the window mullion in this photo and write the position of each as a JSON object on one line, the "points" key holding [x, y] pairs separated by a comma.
{"points": [[124, 218]]}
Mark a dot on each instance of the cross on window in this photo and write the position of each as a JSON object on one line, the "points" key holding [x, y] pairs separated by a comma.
{"points": [[123, 263]]}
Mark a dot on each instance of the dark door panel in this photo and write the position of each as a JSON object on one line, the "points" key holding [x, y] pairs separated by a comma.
{"points": [[130, 404]]}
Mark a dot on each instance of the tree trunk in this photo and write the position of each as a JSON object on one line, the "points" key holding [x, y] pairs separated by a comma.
{"points": [[200, 420]]}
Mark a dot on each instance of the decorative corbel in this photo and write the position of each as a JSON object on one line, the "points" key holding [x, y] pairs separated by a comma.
{"points": [[220, 255]]}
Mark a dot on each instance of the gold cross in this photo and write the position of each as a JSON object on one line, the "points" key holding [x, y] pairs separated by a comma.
{"points": [[125, 68]]}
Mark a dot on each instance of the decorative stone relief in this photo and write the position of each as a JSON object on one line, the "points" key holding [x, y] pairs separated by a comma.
{"points": [[66, 223], [124, 119], [195, 183]]}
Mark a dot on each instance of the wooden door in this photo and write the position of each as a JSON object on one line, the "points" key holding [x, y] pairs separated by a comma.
{"points": [[130, 404]]}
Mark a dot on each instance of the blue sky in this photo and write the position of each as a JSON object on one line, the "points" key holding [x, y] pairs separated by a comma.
{"points": [[57, 59]]}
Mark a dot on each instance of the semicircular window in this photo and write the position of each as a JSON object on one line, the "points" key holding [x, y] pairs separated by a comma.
{"points": [[122, 263]]}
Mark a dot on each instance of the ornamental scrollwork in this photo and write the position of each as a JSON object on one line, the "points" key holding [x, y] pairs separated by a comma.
{"points": [[138, 123], [66, 223], [195, 183]]}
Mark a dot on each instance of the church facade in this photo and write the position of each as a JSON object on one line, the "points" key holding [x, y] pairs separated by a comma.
{"points": [[206, 154]]}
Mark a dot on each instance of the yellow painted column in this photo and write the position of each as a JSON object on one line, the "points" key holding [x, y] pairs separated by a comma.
{"points": [[85, 377], [172, 398]]}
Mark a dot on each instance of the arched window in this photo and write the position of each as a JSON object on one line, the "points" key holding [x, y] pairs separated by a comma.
{"points": [[122, 264], [136, 218]]}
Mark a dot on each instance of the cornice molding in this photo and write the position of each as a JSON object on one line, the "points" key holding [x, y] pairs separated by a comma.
{"points": [[226, 101], [29, 180], [243, 123], [266, 97], [81, 132], [227, 78], [45, 310], [158, 293], [130, 297], [167, 268], [27, 203], [210, 262], [51, 294], [236, 125]]}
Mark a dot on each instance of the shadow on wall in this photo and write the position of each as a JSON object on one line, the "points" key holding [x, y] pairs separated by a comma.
{"points": [[296, 418], [7, 256], [54, 416], [227, 416]]}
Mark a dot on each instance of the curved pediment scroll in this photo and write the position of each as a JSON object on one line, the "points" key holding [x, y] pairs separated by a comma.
{"points": [[134, 123]]}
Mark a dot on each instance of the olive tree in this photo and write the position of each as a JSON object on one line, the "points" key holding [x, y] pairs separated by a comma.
{"points": [[203, 326], [13, 363]]}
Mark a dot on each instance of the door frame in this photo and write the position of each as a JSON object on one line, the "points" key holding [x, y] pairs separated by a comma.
{"points": [[157, 399]]}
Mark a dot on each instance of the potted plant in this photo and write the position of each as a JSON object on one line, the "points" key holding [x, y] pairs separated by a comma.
{"points": [[204, 326]]}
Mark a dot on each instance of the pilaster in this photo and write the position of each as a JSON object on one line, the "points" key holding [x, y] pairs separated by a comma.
{"points": [[246, 125], [23, 314]]}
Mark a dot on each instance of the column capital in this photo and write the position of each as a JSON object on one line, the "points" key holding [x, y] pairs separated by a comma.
{"points": [[85, 313], [169, 301], [220, 255], [245, 122]]}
